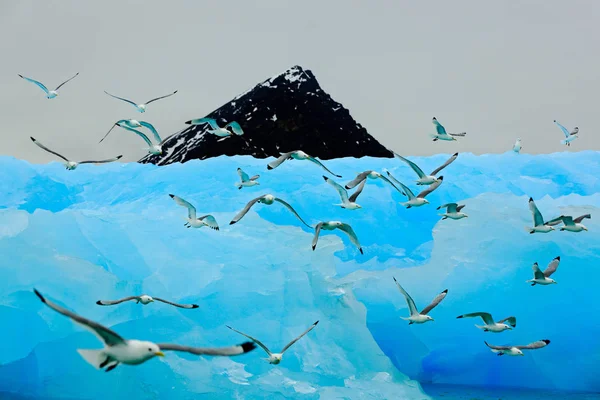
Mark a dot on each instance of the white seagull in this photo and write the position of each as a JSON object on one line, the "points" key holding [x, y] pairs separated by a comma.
{"points": [[140, 107], [297, 155], [118, 350], [245, 180], [192, 220], [452, 211], [517, 350], [266, 199], [418, 200], [517, 146], [538, 221], [415, 316], [571, 224], [216, 130], [349, 203], [275, 358], [144, 299], [50, 94], [442, 134], [490, 325], [569, 136], [543, 278], [332, 225], [153, 148], [123, 123], [362, 176], [427, 179], [71, 165]]}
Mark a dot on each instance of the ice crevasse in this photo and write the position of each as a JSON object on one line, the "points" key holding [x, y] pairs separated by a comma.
{"points": [[104, 232]]}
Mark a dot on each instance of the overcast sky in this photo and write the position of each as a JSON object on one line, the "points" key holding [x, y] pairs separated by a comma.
{"points": [[498, 70]]}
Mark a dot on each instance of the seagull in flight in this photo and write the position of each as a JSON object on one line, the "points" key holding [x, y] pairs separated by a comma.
{"points": [[267, 199], [427, 179], [140, 107], [569, 136], [50, 94], [332, 225], [153, 148], [297, 155], [144, 299], [349, 203], [490, 325], [517, 146], [123, 123], [275, 358], [118, 350], [418, 200], [517, 350], [543, 278], [236, 129], [452, 211], [571, 224], [192, 220], [538, 221], [420, 317], [71, 165], [442, 134], [245, 180]]}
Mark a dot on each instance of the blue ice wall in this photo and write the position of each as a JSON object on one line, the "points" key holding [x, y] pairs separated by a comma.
{"points": [[112, 231]]}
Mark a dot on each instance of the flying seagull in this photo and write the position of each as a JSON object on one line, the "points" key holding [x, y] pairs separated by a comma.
{"points": [[154, 149], [123, 123], [490, 325], [371, 175], [144, 299], [71, 165], [236, 129], [297, 155], [348, 203], [140, 107], [418, 200], [427, 179], [245, 180], [452, 211], [118, 350], [517, 146], [517, 350], [50, 94], [442, 134], [420, 317], [571, 224], [332, 225], [543, 278], [192, 220], [569, 136], [275, 358], [266, 199], [538, 221]]}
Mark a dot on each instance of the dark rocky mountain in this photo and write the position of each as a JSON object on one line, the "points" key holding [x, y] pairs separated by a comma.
{"points": [[287, 112]]}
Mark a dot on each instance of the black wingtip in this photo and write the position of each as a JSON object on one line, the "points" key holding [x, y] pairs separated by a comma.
{"points": [[546, 341], [347, 187], [171, 195], [314, 247], [394, 279], [188, 122], [20, 75], [554, 120], [99, 302], [530, 199], [441, 178], [269, 167], [119, 157], [324, 177], [460, 316], [445, 291], [248, 346], [228, 326], [455, 155], [195, 306], [315, 324], [557, 258], [32, 138], [339, 176], [361, 251], [232, 222], [38, 294]]}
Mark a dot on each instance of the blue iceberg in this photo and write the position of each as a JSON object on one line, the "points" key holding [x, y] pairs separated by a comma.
{"points": [[106, 232]]}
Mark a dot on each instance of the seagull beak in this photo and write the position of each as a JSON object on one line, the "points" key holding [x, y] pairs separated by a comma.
{"points": [[159, 354]]}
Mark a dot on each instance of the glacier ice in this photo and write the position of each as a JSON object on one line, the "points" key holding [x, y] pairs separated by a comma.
{"points": [[111, 231]]}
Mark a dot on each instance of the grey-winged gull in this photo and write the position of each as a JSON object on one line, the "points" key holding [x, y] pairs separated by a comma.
{"points": [[140, 107], [216, 130], [71, 165], [423, 178], [452, 211], [441, 133], [417, 317], [245, 180], [517, 350], [267, 200], [297, 155], [418, 200], [490, 325], [144, 299], [543, 278], [538, 221], [571, 224], [332, 225], [569, 135], [348, 202], [50, 94], [192, 221]]}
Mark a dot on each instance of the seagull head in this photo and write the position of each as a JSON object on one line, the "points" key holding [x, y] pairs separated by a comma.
{"points": [[583, 227], [145, 299], [141, 108], [519, 352], [146, 350], [425, 201], [506, 326], [429, 318]]}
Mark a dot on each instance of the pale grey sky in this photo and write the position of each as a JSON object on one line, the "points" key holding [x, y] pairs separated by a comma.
{"points": [[498, 70]]}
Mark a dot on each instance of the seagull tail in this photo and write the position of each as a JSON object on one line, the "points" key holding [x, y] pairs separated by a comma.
{"points": [[93, 357]]}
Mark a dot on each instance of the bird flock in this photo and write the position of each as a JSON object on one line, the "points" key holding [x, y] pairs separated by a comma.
{"points": [[118, 350]]}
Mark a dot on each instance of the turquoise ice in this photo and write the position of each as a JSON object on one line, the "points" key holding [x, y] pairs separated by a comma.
{"points": [[104, 232]]}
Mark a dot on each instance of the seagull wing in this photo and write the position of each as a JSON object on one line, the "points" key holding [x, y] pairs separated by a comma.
{"points": [[340, 189], [444, 165], [461, 134], [552, 267], [70, 79], [579, 219], [562, 128], [359, 178], [152, 129], [537, 272], [39, 84], [107, 336], [411, 164], [431, 187], [235, 127], [255, 177], [316, 237], [358, 191], [258, 342], [276, 163], [352, 235], [241, 214], [535, 345], [120, 98], [210, 351], [140, 134], [458, 208], [311, 158], [568, 220], [537, 216], [287, 346], [102, 161], [109, 131], [176, 304], [210, 221], [555, 221], [411, 303], [184, 203], [437, 300], [113, 302], [41, 146], [405, 190], [491, 346], [161, 97], [277, 199], [512, 321], [439, 127], [243, 176], [450, 207], [211, 121], [486, 317]]}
